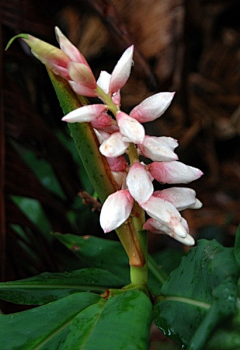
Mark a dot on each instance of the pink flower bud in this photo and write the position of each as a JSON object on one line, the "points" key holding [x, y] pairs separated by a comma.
{"points": [[152, 107], [82, 90], [130, 128], [114, 146], [121, 71], [173, 172], [157, 149], [84, 114], [156, 227], [102, 121], [117, 163], [115, 210], [139, 184], [82, 75], [180, 197], [166, 214], [67, 47]]}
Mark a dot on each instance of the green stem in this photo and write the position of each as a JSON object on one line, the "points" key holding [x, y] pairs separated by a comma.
{"points": [[108, 100]]}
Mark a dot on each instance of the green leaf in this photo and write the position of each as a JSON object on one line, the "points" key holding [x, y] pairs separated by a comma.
{"points": [[48, 287], [160, 265], [34, 328], [202, 291], [97, 252], [81, 321], [123, 322]]}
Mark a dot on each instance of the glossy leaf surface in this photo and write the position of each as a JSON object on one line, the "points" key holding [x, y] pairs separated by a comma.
{"points": [[49, 287], [81, 321], [96, 252]]}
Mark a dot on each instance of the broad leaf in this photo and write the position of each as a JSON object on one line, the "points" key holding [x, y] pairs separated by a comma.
{"points": [[199, 294], [34, 328], [81, 321], [226, 337], [121, 322], [49, 287], [96, 252]]}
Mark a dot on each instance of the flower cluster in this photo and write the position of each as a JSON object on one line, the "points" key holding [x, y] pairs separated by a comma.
{"points": [[123, 138]]}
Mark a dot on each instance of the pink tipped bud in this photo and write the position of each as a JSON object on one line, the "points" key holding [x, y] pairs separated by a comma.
{"points": [[67, 47], [115, 210], [139, 184], [166, 214], [157, 149], [114, 146], [181, 197], [82, 90], [102, 121], [130, 128], [84, 114], [82, 75], [156, 227], [152, 107], [173, 172], [121, 71], [117, 164]]}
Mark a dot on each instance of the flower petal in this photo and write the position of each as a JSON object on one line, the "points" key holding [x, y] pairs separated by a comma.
{"points": [[82, 90], [69, 48], [180, 197], [82, 75], [121, 71], [84, 114], [165, 212], [114, 146], [157, 149], [117, 163], [152, 107], [130, 128], [102, 121], [173, 172], [104, 81], [115, 210], [139, 184]]}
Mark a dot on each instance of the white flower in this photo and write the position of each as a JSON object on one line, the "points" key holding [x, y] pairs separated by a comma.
{"points": [[130, 128], [157, 149], [115, 210], [84, 114], [152, 107], [114, 145], [139, 184], [121, 71]]}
